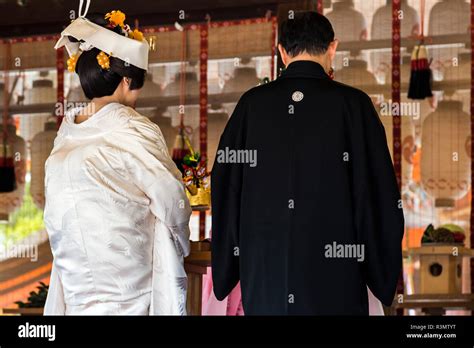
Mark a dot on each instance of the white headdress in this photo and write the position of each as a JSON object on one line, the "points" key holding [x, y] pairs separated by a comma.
{"points": [[131, 50]]}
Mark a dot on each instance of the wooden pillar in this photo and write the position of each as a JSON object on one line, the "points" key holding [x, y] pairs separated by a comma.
{"points": [[274, 43], [203, 101], [319, 6], [397, 149], [6, 87]]}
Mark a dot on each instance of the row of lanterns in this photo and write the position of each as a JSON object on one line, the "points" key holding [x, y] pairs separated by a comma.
{"points": [[446, 17], [445, 140], [443, 134]]}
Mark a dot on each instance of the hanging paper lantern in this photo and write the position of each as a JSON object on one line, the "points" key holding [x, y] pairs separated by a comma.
{"points": [[41, 147], [408, 145], [30, 124], [348, 23], [447, 17], [456, 70], [150, 89], [42, 92], [459, 68], [450, 17], [216, 124], [421, 109], [382, 29], [191, 85], [244, 78], [356, 74], [445, 158], [13, 167]]}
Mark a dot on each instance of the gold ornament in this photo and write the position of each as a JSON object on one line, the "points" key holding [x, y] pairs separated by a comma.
{"points": [[152, 43], [202, 198]]}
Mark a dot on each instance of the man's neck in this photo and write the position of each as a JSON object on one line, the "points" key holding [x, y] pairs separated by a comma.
{"points": [[307, 57]]}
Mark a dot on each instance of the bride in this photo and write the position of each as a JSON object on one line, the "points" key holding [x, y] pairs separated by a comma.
{"points": [[116, 210]]}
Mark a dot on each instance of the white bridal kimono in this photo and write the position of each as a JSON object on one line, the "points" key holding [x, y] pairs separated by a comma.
{"points": [[117, 218]]}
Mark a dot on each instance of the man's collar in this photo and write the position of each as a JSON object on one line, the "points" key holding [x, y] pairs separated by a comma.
{"points": [[304, 68]]}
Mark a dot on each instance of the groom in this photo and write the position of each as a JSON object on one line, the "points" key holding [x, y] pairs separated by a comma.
{"points": [[317, 216]]}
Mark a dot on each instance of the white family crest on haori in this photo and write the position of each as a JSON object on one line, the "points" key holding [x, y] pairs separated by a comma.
{"points": [[297, 96]]}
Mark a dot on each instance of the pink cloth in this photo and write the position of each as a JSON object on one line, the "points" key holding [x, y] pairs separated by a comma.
{"points": [[231, 305]]}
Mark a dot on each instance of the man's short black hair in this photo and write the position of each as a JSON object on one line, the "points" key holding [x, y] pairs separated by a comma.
{"points": [[308, 32]]}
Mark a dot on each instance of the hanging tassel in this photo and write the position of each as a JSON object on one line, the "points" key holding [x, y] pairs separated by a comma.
{"points": [[421, 76], [7, 167], [180, 150]]}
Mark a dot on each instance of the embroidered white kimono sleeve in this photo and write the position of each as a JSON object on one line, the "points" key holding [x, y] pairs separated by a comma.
{"points": [[156, 175]]}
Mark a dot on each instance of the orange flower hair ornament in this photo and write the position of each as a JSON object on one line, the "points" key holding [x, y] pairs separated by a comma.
{"points": [[71, 62], [103, 60], [136, 35], [116, 18]]}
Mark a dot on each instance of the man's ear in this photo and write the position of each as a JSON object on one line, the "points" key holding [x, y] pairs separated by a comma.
{"points": [[283, 54], [332, 48]]}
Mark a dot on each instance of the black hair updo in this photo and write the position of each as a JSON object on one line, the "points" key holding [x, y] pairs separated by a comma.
{"points": [[97, 82]]}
